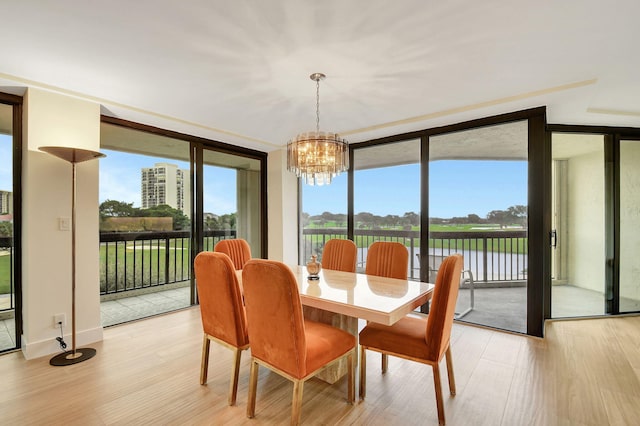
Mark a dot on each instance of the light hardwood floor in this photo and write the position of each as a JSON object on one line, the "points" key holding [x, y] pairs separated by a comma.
{"points": [[585, 372]]}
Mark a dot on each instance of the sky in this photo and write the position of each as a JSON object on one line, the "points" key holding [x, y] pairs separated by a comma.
{"points": [[457, 188], [120, 181]]}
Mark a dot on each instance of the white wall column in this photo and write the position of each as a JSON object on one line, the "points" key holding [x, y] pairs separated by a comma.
{"points": [[282, 209], [56, 120]]}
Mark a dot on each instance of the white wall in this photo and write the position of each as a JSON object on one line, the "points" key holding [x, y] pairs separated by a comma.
{"points": [[56, 120], [282, 190], [586, 233]]}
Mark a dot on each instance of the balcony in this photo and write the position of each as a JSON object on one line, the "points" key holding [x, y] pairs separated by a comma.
{"points": [[148, 273]]}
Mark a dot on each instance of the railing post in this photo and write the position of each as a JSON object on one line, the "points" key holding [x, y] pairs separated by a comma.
{"points": [[485, 249], [167, 244]]}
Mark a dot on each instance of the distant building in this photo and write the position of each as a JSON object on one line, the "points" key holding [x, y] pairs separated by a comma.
{"points": [[166, 184], [6, 202]]}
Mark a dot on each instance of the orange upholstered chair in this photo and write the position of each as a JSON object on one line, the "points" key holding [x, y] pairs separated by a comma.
{"points": [[282, 340], [237, 249], [419, 339], [222, 311], [391, 260], [387, 259], [340, 255]]}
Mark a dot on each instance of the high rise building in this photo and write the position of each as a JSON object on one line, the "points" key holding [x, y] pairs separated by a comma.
{"points": [[166, 184], [6, 202]]}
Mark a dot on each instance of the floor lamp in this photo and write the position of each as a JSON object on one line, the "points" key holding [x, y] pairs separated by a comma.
{"points": [[74, 156]]}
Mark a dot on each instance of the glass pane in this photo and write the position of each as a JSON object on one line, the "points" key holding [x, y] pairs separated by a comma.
{"points": [[387, 198], [7, 289], [231, 198], [629, 226], [145, 206], [578, 220], [478, 207], [324, 216]]}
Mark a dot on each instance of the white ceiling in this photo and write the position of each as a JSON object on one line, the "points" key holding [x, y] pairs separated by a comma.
{"points": [[238, 71]]}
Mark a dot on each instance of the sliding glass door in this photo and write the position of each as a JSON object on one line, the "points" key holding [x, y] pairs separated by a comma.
{"points": [[478, 200], [595, 222], [629, 276], [145, 224], [9, 255], [578, 242]]}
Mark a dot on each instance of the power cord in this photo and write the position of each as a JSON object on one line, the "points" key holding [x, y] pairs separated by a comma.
{"points": [[60, 340]]}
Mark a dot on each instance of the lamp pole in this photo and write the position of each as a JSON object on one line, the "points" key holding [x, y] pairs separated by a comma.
{"points": [[74, 156]]}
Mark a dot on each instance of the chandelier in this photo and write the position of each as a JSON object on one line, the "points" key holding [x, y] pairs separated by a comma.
{"points": [[317, 157]]}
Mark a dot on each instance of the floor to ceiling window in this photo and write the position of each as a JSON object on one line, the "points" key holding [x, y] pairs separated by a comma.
{"points": [[466, 188], [163, 198], [10, 301], [323, 216], [231, 199], [386, 198], [478, 199]]}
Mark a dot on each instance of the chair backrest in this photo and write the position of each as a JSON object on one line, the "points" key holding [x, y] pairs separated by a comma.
{"points": [[443, 306], [221, 308], [340, 255], [237, 249], [387, 259], [274, 315]]}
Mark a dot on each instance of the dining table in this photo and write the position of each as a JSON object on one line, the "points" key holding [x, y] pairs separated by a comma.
{"points": [[342, 298]]}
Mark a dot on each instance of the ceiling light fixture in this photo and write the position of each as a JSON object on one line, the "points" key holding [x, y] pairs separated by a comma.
{"points": [[317, 157]]}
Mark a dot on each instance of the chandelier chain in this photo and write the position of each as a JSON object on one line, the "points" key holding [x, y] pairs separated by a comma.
{"points": [[318, 105]]}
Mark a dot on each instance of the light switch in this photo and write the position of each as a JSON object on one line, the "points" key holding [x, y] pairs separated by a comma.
{"points": [[64, 223]]}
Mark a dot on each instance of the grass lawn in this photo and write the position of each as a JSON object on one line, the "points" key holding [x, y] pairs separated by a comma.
{"points": [[5, 277], [143, 266], [516, 246]]}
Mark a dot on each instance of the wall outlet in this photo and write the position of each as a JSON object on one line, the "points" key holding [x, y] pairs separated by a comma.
{"points": [[59, 318]]}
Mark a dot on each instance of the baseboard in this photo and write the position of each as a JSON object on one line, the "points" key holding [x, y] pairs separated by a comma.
{"points": [[41, 348]]}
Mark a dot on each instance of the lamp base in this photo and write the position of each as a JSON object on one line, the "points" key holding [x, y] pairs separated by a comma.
{"points": [[70, 358]]}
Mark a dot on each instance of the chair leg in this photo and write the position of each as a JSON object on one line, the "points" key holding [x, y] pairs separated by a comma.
{"points": [[363, 372], [204, 364], [253, 385], [233, 386], [351, 382], [452, 379], [296, 404], [385, 363], [438, 388]]}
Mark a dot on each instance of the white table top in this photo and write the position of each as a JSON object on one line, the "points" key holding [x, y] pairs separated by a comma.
{"points": [[377, 299]]}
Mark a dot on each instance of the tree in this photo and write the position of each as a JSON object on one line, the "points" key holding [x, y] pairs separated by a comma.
{"points": [[365, 219], [6, 229], [112, 208], [304, 217], [411, 218], [499, 217], [474, 218], [180, 221], [519, 214]]}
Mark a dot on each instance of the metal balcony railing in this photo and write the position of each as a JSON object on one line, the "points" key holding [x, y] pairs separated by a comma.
{"points": [[131, 261], [492, 256], [136, 260]]}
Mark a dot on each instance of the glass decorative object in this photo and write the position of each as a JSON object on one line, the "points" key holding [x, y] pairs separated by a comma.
{"points": [[313, 268]]}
